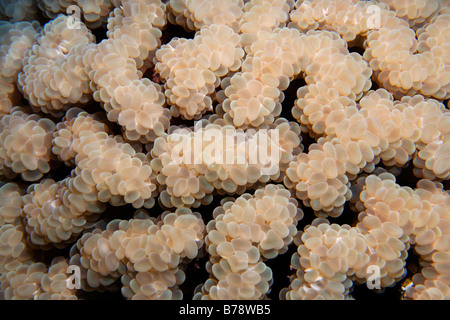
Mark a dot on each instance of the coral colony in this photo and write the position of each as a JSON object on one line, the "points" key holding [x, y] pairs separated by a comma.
{"points": [[139, 137]]}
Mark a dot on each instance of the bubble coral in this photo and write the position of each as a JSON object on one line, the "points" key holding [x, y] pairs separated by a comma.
{"points": [[194, 14], [54, 76], [401, 63], [145, 252], [229, 160], [242, 235], [193, 68], [330, 257], [25, 145], [34, 281], [116, 66], [94, 13], [16, 39], [93, 126], [13, 250], [20, 10]]}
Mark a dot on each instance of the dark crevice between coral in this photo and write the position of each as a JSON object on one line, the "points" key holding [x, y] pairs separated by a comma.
{"points": [[99, 33], [195, 270], [357, 49], [171, 31], [290, 95], [59, 171], [107, 295], [375, 85]]}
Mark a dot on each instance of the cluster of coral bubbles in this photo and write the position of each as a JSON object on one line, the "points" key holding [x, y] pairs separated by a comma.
{"points": [[122, 122]]}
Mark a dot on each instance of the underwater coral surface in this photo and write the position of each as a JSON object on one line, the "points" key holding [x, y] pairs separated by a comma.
{"points": [[224, 150]]}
